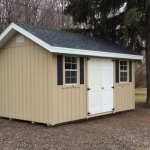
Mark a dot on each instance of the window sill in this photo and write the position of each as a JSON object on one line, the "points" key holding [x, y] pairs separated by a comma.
{"points": [[124, 83], [70, 86]]}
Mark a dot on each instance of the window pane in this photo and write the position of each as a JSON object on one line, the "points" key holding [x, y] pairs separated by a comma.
{"points": [[67, 59], [121, 79], [73, 73], [125, 67], [125, 79], [121, 63], [125, 74], [125, 62], [67, 81], [74, 66], [68, 73], [73, 80], [67, 66], [121, 74], [121, 68], [74, 60]]}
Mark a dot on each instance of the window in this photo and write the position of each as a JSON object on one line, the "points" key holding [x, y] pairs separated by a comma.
{"points": [[123, 71], [70, 70], [19, 39]]}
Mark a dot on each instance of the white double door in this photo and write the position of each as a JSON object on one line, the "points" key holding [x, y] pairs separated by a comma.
{"points": [[100, 85]]}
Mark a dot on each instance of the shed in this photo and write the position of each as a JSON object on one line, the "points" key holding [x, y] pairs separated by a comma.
{"points": [[52, 77]]}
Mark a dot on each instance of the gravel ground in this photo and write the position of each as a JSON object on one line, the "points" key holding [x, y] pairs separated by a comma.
{"points": [[122, 131]]}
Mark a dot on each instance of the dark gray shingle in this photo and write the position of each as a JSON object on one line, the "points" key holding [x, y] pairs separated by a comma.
{"points": [[76, 41]]}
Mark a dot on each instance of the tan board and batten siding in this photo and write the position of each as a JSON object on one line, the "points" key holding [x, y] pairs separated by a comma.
{"points": [[29, 90], [25, 81], [70, 102], [124, 93]]}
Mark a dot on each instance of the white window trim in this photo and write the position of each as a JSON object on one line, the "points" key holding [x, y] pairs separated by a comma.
{"points": [[124, 71], [64, 70]]}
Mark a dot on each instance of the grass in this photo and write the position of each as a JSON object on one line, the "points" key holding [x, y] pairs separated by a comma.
{"points": [[140, 98]]}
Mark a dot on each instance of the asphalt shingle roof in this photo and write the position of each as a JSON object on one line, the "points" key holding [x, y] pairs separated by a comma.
{"points": [[64, 39]]}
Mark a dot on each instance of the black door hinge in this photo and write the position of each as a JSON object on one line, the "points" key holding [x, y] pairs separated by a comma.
{"points": [[89, 113], [113, 87], [88, 58], [88, 89], [113, 109], [112, 60]]}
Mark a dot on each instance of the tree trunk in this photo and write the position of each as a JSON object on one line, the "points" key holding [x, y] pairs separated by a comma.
{"points": [[148, 60], [62, 14]]}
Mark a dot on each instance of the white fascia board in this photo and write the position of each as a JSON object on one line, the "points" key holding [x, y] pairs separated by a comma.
{"points": [[5, 32], [27, 34], [95, 53]]}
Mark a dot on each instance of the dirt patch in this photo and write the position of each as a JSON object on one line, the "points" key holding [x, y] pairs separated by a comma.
{"points": [[122, 131]]}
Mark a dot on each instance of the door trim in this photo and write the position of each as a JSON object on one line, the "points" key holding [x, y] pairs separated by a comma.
{"points": [[101, 113]]}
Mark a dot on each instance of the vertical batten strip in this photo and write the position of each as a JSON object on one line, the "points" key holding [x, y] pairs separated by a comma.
{"points": [[40, 83], [81, 102], [69, 104], [23, 81], [45, 77], [3, 82], [13, 82], [32, 75], [6, 85], [78, 103], [10, 82], [73, 104], [36, 112], [17, 63], [28, 87], [64, 105], [50, 70]]}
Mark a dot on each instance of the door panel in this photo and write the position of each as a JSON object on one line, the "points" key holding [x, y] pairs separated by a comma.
{"points": [[107, 84], [94, 83]]}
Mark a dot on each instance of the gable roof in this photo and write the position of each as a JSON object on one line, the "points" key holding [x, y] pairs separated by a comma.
{"points": [[69, 43]]}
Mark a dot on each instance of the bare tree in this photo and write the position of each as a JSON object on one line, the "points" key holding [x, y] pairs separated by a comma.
{"points": [[47, 13]]}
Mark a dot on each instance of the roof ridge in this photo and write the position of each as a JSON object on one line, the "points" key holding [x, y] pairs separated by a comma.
{"points": [[35, 26]]}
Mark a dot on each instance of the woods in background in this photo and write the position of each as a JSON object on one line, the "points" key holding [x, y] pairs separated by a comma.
{"points": [[45, 13]]}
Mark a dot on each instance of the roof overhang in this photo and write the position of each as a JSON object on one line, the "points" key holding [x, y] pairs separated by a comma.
{"points": [[96, 53], [13, 28]]}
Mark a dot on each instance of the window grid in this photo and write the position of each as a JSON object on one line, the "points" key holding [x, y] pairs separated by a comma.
{"points": [[70, 70], [123, 71]]}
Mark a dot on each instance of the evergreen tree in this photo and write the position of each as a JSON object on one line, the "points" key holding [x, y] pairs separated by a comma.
{"points": [[129, 27]]}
